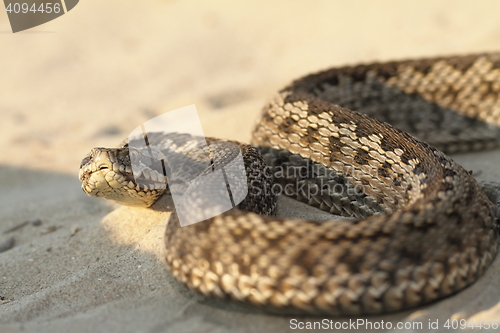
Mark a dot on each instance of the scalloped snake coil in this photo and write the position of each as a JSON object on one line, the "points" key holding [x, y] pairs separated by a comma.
{"points": [[422, 227]]}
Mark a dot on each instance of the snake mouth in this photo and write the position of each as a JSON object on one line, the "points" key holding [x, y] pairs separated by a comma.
{"points": [[93, 176]]}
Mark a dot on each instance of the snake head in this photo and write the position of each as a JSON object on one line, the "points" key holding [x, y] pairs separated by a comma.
{"points": [[132, 177]]}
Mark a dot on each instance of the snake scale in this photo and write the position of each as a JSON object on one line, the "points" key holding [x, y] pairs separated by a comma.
{"points": [[420, 226]]}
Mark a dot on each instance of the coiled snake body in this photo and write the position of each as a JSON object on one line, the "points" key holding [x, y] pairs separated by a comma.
{"points": [[421, 227]]}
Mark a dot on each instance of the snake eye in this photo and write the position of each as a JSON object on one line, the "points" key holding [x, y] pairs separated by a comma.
{"points": [[134, 156]]}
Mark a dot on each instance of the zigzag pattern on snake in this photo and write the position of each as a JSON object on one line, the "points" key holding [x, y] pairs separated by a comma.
{"points": [[421, 228]]}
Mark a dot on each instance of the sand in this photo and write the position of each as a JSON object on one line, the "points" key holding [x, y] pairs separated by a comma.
{"points": [[88, 78]]}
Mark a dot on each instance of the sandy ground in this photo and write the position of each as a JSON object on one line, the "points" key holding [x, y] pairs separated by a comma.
{"points": [[90, 77]]}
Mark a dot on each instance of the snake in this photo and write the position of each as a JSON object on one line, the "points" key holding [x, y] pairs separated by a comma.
{"points": [[366, 142]]}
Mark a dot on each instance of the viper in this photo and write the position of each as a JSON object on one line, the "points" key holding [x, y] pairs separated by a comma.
{"points": [[369, 142]]}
